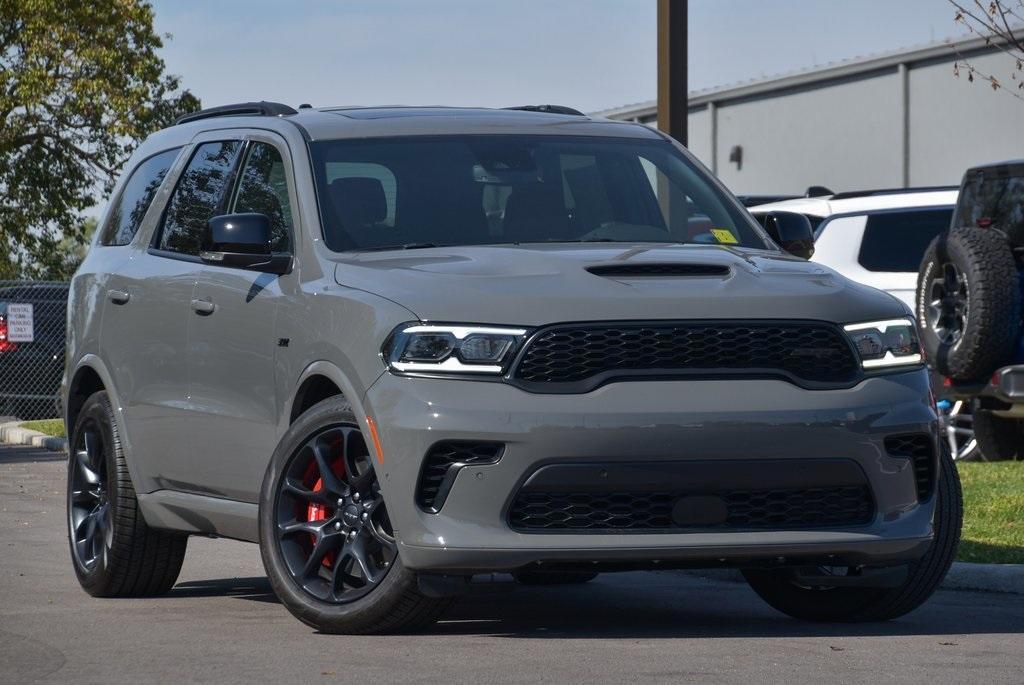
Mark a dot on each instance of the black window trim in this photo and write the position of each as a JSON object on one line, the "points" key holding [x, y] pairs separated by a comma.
{"points": [[101, 230]]}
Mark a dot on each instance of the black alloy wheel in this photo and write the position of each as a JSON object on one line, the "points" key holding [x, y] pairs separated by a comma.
{"points": [[89, 500], [947, 305], [332, 526]]}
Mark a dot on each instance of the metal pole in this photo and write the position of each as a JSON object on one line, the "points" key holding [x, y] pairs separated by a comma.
{"points": [[672, 57]]}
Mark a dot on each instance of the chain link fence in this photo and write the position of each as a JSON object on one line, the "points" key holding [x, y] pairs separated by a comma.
{"points": [[33, 317]]}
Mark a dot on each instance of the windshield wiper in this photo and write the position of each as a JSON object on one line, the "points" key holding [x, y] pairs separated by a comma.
{"points": [[402, 246]]}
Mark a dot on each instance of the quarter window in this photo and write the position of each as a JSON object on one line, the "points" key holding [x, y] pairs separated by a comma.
{"points": [[896, 241], [132, 204], [263, 189], [200, 195]]}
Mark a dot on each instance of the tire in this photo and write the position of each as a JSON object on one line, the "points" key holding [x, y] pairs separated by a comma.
{"points": [[392, 602], [968, 303], [999, 438], [127, 558], [859, 604], [554, 577]]}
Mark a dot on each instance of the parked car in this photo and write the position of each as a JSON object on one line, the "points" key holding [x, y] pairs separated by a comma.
{"points": [[31, 370], [878, 237], [969, 306], [399, 347]]}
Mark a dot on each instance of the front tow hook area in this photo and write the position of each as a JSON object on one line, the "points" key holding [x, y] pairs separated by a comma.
{"points": [[849, 576]]}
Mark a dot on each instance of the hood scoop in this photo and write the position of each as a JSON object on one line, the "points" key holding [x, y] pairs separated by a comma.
{"points": [[658, 270]]}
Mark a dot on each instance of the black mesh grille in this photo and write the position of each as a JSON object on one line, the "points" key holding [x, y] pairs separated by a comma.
{"points": [[746, 509], [438, 464], [815, 353], [633, 270], [920, 448]]}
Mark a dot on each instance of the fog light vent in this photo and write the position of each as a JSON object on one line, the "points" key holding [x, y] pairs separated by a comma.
{"points": [[442, 463], [920, 449]]}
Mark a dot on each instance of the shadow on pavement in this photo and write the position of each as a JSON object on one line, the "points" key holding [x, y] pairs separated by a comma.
{"points": [[625, 606], [18, 454], [256, 589]]}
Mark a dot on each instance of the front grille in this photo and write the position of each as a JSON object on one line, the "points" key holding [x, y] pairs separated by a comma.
{"points": [[920, 449], [585, 355], [776, 509], [441, 464]]}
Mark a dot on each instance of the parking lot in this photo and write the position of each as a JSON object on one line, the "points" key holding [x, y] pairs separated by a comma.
{"points": [[221, 623]]}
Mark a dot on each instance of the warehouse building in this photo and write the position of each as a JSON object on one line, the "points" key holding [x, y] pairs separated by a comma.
{"points": [[894, 120]]}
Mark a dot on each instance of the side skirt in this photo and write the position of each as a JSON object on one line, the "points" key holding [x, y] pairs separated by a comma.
{"points": [[188, 513]]}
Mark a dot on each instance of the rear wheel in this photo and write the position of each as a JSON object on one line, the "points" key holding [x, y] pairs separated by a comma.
{"points": [[114, 552], [999, 438], [327, 543], [783, 590]]}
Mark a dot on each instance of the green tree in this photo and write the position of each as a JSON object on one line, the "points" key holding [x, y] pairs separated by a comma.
{"points": [[80, 85]]}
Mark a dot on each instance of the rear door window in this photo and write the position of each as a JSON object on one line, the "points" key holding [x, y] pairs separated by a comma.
{"points": [[132, 204], [200, 195], [896, 241]]}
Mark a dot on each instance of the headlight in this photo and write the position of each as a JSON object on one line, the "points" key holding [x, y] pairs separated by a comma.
{"points": [[452, 349], [883, 344]]}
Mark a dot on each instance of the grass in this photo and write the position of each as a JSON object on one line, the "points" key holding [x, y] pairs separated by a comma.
{"points": [[54, 427], [993, 512]]}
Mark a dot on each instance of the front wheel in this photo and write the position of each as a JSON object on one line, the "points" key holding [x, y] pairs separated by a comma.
{"points": [[782, 588], [327, 543]]}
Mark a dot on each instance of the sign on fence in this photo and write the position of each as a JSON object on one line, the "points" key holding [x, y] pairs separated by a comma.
{"points": [[20, 328]]}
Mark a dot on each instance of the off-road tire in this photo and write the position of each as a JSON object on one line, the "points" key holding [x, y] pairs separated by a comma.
{"points": [[853, 604], [993, 321], [554, 577], [395, 606], [140, 561], [999, 438]]}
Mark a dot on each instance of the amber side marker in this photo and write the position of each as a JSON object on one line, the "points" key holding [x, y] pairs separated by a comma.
{"points": [[376, 438]]}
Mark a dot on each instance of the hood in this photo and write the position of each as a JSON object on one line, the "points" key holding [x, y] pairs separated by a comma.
{"points": [[533, 285]]}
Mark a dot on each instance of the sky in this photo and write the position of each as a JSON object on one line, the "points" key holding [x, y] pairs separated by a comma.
{"points": [[591, 55]]}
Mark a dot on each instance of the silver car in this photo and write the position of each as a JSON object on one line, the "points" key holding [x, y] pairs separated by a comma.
{"points": [[399, 347]]}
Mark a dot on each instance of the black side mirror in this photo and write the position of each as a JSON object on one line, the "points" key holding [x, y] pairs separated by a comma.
{"points": [[792, 232], [243, 241]]}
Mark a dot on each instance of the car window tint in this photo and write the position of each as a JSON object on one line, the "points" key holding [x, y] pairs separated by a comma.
{"points": [[896, 241], [378, 172], [263, 189], [199, 196], [993, 198], [131, 205]]}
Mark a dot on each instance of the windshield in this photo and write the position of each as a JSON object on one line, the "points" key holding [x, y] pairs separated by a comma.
{"points": [[476, 190]]}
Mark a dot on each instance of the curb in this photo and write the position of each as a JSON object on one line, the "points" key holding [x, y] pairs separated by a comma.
{"points": [[12, 434], [1003, 578]]}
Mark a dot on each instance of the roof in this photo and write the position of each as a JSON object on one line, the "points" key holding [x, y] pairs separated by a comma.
{"points": [[827, 206], [342, 122], [854, 67]]}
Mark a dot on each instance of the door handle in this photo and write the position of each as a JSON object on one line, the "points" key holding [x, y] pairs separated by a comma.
{"points": [[203, 307], [118, 296]]}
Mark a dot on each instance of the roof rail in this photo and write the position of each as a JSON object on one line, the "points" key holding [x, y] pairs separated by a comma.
{"points": [[550, 109], [891, 191], [261, 108]]}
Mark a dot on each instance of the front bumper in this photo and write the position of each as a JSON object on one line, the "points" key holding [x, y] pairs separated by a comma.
{"points": [[647, 421]]}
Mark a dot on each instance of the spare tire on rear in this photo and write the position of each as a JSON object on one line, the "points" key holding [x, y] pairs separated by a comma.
{"points": [[968, 303]]}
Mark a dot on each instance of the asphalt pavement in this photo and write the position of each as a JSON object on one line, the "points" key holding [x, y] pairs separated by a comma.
{"points": [[221, 623]]}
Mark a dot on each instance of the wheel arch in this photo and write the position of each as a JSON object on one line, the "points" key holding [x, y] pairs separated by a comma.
{"points": [[318, 381]]}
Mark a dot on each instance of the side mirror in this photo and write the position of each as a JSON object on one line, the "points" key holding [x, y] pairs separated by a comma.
{"points": [[792, 232], [243, 241]]}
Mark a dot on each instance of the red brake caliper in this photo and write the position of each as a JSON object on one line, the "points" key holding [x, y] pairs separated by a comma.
{"points": [[319, 512]]}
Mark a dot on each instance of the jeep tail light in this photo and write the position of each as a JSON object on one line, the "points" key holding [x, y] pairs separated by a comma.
{"points": [[5, 344]]}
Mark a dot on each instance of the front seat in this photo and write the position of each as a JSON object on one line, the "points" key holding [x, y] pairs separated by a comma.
{"points": [[360, 207], [534, 213]]}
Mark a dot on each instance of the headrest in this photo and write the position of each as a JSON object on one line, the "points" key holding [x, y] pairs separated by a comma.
{"points": [[358, 201]]}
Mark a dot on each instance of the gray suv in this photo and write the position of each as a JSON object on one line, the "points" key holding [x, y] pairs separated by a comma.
{"points": [[400, 347]]}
